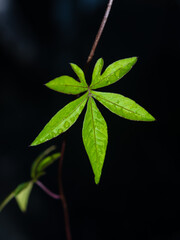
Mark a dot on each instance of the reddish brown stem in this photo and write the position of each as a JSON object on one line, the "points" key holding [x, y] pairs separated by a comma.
{"points": [[98, 36], [61, 191]]}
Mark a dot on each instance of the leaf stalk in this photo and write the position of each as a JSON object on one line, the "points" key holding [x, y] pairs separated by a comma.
{"points": [[47, 191]]}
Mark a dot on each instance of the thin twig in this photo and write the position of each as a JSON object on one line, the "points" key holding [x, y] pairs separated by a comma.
{"points": [[47, 191], [63, 147], [98, 36]]}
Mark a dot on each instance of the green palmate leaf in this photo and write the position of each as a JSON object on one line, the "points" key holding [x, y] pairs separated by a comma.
{"points": [[62, 121], [23, 196], [97, 71], [95, 138], [79, 72], [113, 72], [27, 186], [123, 106], [66, 84]]}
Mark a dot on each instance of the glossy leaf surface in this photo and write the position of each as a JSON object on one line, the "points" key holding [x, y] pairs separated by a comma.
{"points": [[114, 72], [97, 71], [66, 84], [123, 106], [95, 138], [79, 72], [62, 121]]}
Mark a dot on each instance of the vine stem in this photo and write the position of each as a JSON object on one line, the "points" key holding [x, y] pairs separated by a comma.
{"points": [[99, 33], [63, 147], [61, 190]]}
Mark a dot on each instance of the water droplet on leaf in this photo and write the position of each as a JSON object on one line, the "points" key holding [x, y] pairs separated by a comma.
{"points": [[60, 131], [66, 124]]}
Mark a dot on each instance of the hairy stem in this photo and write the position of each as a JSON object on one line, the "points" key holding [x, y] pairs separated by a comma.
{"points": [[47, 191], [63, 147]]}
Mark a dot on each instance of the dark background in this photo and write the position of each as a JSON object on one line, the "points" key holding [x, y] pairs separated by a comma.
{"points": [[138, 195]]}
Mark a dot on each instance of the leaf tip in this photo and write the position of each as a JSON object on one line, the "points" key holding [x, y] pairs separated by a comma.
{"points": [[73, 66], [135, 59], [34, 143], [101, 59], [47, 84], [97, 178], [151, 118]]}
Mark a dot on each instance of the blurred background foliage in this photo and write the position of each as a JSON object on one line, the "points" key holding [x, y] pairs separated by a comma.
{"points": [[138, 196]]}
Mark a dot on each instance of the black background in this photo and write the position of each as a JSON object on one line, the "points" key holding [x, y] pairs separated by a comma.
{"points": [[138, 195]]}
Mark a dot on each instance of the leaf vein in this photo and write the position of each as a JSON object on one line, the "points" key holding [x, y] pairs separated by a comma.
{"points": [[93, 128], [67, 115], [107, 77], [117, 105]]}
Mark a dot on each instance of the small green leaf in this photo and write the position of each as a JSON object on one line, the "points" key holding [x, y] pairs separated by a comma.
{"points": [[23, 196], [95, 138], [44, 163], [97, 71], [114, 72], [39, 159], [13, 194], [66, 84], [20, 187], [62, 121], [79, 72], [123, 106]]}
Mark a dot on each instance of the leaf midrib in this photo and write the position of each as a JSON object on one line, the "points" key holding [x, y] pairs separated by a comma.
{"points": [[93, 128], [67, 85], [69, 114], [119, 105], [108, 76]]}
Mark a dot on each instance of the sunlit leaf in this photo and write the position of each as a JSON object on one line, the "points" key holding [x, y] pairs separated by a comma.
{"points": [[123, 106], [62, 121], [95, 138], [114, 72], [66, 84], [79, 72], [97, 71]]}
